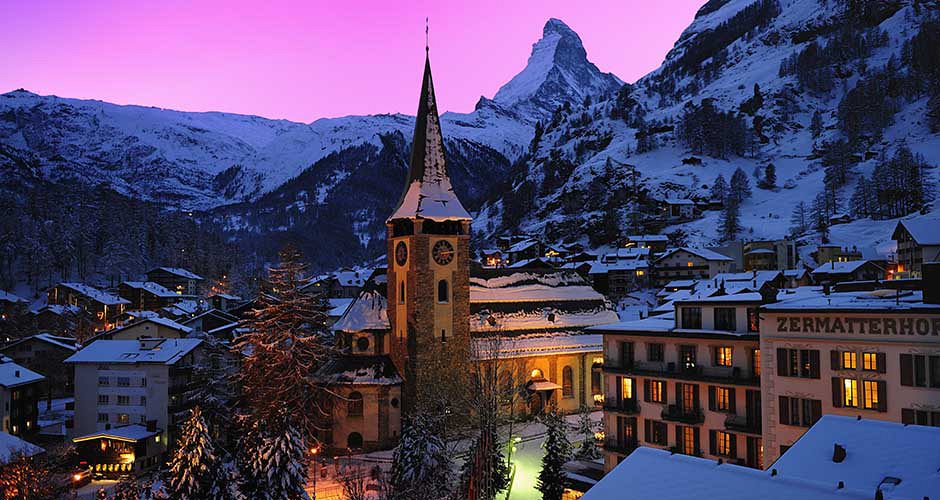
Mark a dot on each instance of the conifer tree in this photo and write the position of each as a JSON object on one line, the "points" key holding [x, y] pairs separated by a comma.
{"points": [[719, 189], [730, 224], [215, 391], [193, 466], [551, 479], [277, 460], [287, 339], [770, 177], [588, 449], [421, 466], [485, 473], [800, 219], [740, 187], [816, 125]]}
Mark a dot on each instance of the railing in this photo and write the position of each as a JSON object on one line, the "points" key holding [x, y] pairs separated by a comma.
{"points": [[622, 406], [684, 415], [719, 374], [623, 446], [742, 423]]}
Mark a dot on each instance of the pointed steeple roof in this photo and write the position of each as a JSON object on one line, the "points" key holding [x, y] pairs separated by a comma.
{"points": [[429, 193]]}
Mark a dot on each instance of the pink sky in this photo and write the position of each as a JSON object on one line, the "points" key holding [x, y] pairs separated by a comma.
{"points": [[304, 60]]}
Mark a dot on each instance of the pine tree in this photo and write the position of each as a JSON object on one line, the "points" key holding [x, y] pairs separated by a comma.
{"points": [[126, 489], [551, 479], [860, 202], [719, 189], [770, 177], [816, 125], [485, 473], [740, 186], [193, 465], [730, 224], [421, 465], [287, 339], [588, 449], [800, 219], [277, 460], [215, 391]]}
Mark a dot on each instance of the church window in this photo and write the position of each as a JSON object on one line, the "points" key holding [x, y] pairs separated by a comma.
{"points": [[401, 292], [567, 382], [394, 402], [443, 294], [354, 441], [362, 343], [443, 335], [354, 404]]}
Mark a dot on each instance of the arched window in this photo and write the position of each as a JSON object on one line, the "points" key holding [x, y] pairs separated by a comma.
{"points": [[354, 441], [401, 292], [362, 343], [443, 294], [354, 404], [567, 382]]}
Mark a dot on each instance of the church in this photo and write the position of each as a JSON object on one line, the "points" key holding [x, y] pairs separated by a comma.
{"points": [[433, 310]]}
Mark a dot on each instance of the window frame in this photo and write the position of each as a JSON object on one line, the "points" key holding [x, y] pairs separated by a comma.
{"points": [[723, 358]]}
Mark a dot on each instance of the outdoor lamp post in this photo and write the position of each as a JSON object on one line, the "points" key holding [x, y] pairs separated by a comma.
{"points": [[314, 452]]}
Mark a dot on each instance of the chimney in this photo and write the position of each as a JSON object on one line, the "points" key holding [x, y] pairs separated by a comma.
{"points": [[838, 453], [16, 374], [930, 282]]}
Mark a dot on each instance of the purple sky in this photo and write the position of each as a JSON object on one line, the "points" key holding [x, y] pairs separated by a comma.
{"points": [[304, 60]]}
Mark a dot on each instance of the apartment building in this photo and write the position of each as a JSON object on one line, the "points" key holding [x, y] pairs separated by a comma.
{"points": [[869, 354], [687, 381]]}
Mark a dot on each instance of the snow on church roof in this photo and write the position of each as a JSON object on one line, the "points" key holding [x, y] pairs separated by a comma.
{"points": [[429, 194], [367, 312]]}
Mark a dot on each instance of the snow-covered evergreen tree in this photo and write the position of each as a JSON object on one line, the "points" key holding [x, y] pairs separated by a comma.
{"points": [[770, 177], [287, 339], [215, 390], [277, 460], [421, 465], [719, 189], [730, 224], [551, 479], [193, 467], [740, 186], [485, 473], [586, 429], [816, 125]]}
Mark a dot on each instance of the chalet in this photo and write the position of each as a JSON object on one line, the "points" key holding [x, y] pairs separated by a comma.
{"points": [[148, 295], [20, 389], [918, 242], [796, 278], [44, 353], [770, 255], [524, 250], [224, 301], [840, 272], [209, 320], [177, 279], [12, 305], [840, 219], [345, 283], [689, 263], [836, 253], [583, 256], [655, 242], [679, 209], [59, 319], [619, 277], [492, 257], [103, 307], [533, 263], [151, 327]]}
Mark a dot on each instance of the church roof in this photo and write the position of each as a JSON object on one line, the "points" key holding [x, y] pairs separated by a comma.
{"points": [[429, 193]]}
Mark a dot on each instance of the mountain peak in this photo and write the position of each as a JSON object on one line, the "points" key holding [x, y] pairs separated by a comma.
{"points": [[557, 71]]}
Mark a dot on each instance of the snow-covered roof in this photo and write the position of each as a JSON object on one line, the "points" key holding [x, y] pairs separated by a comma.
{"points": [[525, 286], [662, 323], [360, 370], [158, 320], [56, 340], [9, 297], [813, 298], [154, 288], [226, 296], [132, 433], [537, 345], [874, 450], [757, 251], [924, 230], [653, 473], [521, 246], [429, 194], [681, 283], [95, 294], [679, 201], [736, 297], [14, 375], [701, 252], [367, 312], [59, 309], [352, 278], [12, 447], [339, 306], [618, 265], [648, 237], [840, 267], [160, 351], [794, 273], [179, 271]]}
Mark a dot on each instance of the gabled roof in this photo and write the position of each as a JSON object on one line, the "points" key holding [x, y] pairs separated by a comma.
{"points": [[367, 312], [178, 271], [14, 375], [701, 252], [131, 433], [95, 294], [12, 447], [429, 193], [9, 297], [679, 201], [211, 312], [840, 267], [924, 230], [58, 341], [159, 320], [165, 352], [154, 288]]}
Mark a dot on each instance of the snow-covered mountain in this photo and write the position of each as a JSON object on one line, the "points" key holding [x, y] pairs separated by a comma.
{"points": [[858, 66]]}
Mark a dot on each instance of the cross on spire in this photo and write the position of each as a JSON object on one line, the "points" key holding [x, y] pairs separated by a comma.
{"points": [[427, 36]]}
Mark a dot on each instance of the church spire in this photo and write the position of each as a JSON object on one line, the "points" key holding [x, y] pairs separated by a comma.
{"points": [[428, 193]]}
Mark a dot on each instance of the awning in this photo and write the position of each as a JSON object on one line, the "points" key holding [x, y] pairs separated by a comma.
{"points": [[543, 385]]}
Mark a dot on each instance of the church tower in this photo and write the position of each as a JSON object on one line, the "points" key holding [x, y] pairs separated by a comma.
{"points": [[428, 268]]}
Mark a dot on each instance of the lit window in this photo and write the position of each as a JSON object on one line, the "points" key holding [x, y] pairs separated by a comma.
{"points": [[850, 392], [567, 382], [656, 391], [849, 361], [640, 272], [626, 388], [755, 358], [536, 373], [722, 443], [123, 418], [689, 264], [689, 446], [722, 356], [723, 398], [871, 394], [870, 361]]}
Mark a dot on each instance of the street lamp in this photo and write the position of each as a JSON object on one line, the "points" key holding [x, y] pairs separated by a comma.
{"points": [[314, 451]]}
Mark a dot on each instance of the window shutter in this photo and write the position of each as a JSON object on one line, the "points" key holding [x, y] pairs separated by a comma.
{"points": [[619, 389], [907, 370], [882, 396], [734, 445], [711, 398], [782, 363], [907, 416], [679, 445], [646, 390], [784, 410], [695, 399], [678, 395], [880, 359], [817, 410], [665, 391], [696, 435], [814, 364], [647, 430], [835, 358], [712, 442], [836, 392], [732, 396]]}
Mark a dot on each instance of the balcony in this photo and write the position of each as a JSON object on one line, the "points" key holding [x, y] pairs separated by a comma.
{"points": [[624, 446], [675, 413], [717, 374], [627, 406], [743, 423]]}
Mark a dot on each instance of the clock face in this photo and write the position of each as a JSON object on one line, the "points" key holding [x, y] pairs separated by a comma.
{"points": [[401, 253], [443, 252]]}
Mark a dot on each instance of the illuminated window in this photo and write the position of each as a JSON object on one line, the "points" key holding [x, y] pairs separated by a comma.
{"points": [[722, 443], [723, 399], [567, 382], [688, 444], [850, 392], [723, 356], [755, 362], [849, 360], [689, 264], [657, 391], [640, 272], [870, 388], [870, 361], [626, 388], [123, 418]]}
